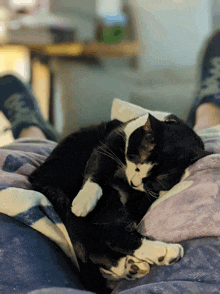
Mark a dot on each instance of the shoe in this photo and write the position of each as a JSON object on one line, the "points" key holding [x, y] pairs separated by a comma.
{"points": [[209, 80], [20, 107]]}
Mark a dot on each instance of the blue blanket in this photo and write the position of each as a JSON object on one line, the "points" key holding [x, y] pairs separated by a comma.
{"points": [[197, 273]]}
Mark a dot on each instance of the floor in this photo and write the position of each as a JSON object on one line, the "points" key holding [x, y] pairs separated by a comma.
{"points": [[15, 59]]}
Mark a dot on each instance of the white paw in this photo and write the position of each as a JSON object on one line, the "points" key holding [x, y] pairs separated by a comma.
{"points": [[160, 253], [135, 268], [86, 199], [129, 268]]}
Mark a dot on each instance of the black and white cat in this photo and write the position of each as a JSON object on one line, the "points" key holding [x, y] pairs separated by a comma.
{"points": [[102, 180]]}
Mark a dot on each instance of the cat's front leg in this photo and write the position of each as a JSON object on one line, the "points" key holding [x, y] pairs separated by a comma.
{"points": [[86, 199], [160, 253]]}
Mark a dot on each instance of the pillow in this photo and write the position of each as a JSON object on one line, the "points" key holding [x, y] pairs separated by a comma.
{"points": [[192, 207], [125, 111]]}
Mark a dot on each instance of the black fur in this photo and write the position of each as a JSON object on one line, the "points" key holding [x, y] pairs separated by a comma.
{"points": [[109, 232]]}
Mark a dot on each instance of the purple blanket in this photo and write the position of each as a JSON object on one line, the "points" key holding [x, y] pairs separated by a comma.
{"points": [[19, 159], [197, 273], [189, 210]]}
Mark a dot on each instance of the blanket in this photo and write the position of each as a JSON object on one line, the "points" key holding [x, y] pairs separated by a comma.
{"points": [[32, 208], [188, 211], [191, 208], [19, 159], [198, 272]]}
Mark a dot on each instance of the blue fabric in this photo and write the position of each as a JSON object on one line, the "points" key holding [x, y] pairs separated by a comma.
{"points": [[13, 163], [197, 273], [30, 261], [59, 291]]}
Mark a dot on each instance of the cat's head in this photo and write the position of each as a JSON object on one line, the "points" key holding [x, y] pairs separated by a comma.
{"points": [[158, 152]]}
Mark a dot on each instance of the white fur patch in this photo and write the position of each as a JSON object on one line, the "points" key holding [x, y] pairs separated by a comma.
{"points": [[119, 270], [124, 269], [132, 126], [136, 177], [86, 199], [160, 253]]}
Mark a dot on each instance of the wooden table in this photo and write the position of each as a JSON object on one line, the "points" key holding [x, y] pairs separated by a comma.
{"points": [[88, 50], [123, 49]]}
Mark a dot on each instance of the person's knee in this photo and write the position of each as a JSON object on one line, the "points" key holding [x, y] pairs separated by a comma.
{"points": [[207, 115]]}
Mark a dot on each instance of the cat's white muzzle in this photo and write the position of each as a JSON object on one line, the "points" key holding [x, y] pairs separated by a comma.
{"points": [[136, 182], [136, 172]]}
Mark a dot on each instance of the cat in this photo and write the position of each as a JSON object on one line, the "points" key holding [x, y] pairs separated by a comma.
{"points": [[143, 169], [102, 180]]}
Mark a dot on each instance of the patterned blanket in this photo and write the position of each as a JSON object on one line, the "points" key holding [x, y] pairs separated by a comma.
{"points": [[32, 208], [190, 210]]}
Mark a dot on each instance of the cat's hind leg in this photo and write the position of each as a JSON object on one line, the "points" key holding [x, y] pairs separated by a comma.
{"points": [[160, 253], [129, 268], [86, 199]]}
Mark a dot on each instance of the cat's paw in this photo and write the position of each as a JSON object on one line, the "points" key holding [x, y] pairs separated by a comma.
{"points": [[135, 268], [86, 199], [160, 253], [129, 268]]}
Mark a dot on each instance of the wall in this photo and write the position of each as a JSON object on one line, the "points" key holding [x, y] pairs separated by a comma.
{"points": [[216, 14], [171, 31], [171, 34]]}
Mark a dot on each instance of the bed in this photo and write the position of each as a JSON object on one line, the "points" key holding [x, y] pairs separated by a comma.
{"points": [[36, 253]]}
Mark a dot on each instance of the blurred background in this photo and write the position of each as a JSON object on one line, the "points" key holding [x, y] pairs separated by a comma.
{"points": [[80, 55]]}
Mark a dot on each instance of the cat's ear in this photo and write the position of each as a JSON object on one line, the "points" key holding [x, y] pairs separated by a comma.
{"points": [[147, 126], [153, 125]]}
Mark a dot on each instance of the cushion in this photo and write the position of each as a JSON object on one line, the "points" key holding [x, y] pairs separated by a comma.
{"points": [[192, 207]]}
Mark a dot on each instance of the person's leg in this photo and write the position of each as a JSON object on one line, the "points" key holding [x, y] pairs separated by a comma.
{"points": [[19, 105], [32, 132], [207, 115], [205, 111]]}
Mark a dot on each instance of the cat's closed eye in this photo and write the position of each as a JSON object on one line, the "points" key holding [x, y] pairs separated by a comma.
{"points": [[133, 158], [149, 137], [172, 121]]}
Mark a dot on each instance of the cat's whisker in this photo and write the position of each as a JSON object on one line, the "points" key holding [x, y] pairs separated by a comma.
{"points": [[120, 132], [121, 171], [113, 158], [161, 182], [107, 153], [152, 193], [104, 145], [111, 154], [110, 150]]}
